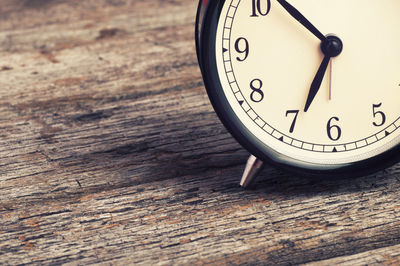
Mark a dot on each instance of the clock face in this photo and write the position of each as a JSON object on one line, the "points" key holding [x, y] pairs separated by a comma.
{"points": [[266, 61]]}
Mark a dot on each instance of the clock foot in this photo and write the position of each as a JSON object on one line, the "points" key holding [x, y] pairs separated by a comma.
{"points": [[253, 168]]}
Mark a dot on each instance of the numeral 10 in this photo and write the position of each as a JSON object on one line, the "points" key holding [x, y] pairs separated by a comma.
{"points": [[257, 9]]}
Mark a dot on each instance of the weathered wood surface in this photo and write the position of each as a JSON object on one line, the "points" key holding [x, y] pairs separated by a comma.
{"points": [[111, 152]]}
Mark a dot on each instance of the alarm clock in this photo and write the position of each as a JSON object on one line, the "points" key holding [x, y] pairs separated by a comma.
{"points": [[310, 87]]}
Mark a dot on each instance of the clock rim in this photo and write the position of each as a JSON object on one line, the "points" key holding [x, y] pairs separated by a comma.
{"points": [[206, 53]]}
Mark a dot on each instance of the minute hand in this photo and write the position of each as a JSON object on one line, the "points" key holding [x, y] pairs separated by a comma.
{"points": [[300, 18]]}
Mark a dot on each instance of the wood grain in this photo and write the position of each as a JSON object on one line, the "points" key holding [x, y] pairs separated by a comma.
{"points": [[110, 152]]}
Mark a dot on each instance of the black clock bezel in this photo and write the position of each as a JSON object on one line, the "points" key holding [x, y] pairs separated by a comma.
{"points": [[206, 52]]}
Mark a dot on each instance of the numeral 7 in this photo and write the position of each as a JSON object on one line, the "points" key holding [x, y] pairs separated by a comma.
{"points": [[295, 113]]}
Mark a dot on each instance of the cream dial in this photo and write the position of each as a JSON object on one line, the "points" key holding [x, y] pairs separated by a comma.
{"points": [[266, 61]]}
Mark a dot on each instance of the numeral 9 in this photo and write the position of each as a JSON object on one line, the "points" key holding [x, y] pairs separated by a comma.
{"points": [[244, 51]]}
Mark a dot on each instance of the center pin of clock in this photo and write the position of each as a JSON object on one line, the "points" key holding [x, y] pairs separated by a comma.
{"points": [[332, 46]]}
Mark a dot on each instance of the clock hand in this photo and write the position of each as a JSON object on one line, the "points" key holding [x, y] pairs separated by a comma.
{"points": [[330, 79], [316, 84], [300, 18], [332, 47]]}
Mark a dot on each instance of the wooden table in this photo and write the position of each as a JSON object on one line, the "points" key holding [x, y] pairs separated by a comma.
{"points": [[111, 152]]}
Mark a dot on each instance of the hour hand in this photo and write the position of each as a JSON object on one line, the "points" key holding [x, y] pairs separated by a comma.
{"points": [[300, 18], [316, 84], [332, 47]]}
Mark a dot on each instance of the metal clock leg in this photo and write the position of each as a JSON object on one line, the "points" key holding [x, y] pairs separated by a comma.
{"points": [[253, 168]]}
